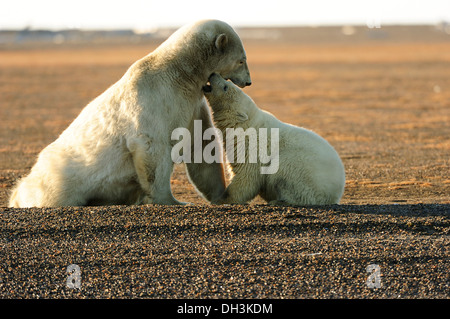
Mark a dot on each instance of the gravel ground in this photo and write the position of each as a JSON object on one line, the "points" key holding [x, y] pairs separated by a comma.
{"points": [[201, 251]]}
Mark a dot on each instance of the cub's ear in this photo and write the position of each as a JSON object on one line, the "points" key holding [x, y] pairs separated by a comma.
{"points": [[221, 42], [241, 117]]}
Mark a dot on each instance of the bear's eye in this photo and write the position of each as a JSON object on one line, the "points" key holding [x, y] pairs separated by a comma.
{"points": [[225, 88]]}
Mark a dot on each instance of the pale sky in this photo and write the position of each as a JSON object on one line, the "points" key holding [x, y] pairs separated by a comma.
{"points": [[148, 14]]}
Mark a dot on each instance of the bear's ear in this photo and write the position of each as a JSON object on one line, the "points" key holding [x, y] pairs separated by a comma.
{"points": [[221, 42], [241, 117]]}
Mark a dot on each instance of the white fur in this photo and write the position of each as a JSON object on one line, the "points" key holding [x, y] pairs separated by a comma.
{"points": [[310, 170], [117, 151]]}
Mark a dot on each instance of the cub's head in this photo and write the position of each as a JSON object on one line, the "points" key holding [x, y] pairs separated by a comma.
{"points": [[219, 92], [224, 96]]}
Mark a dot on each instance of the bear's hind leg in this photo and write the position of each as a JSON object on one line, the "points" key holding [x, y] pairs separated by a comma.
{"points": [[153, 167]]}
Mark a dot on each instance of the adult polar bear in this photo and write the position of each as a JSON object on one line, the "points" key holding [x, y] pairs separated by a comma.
{"points": [[118, 150], [310, 171]]}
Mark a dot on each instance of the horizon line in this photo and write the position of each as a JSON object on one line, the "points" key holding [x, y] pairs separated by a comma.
{"points": [[239, 26]]}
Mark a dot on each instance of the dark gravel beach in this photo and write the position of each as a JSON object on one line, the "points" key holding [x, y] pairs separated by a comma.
{"points": [[254, 251]]}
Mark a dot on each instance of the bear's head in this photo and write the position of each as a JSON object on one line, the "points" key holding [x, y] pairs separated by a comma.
{"points": [[232, 59], [219, 90], [219, 49], [225, 97]]}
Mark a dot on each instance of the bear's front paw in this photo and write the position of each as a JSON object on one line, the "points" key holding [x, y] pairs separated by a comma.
{"points": [[186, 203], [219, 202], [146, 201]]}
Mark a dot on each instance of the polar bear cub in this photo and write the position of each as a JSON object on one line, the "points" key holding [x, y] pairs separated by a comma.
{"points": [[118, 150], [310, 172]]}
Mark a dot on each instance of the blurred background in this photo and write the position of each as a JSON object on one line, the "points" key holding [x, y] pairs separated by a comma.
{"points": [[136, 20], [147, 15]]}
